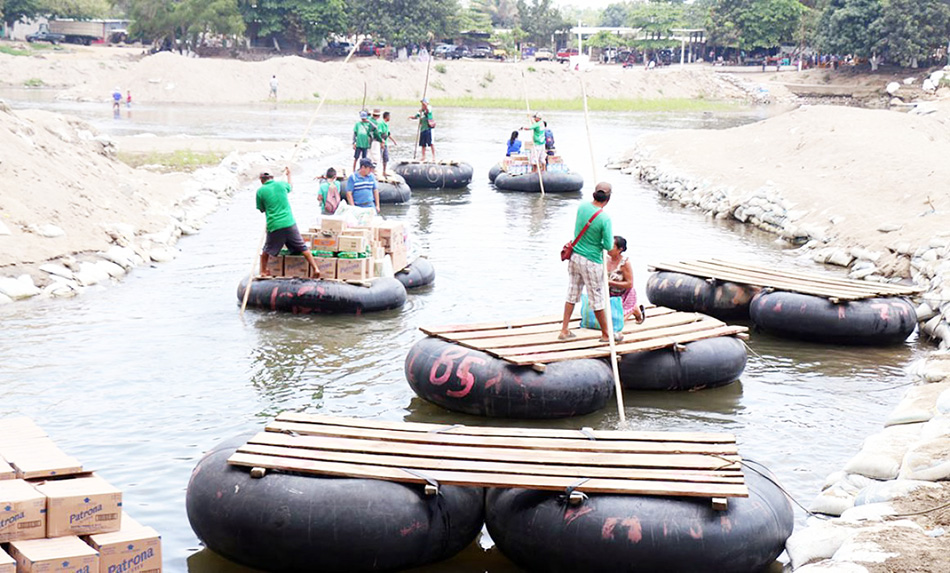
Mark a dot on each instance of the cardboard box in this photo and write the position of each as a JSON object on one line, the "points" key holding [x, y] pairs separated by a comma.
{"points": [[7, 563], [133, 549], [22, 511], [332, 224], [16, 429], [400, 259], [64, 554], [39, 457], [391, 232], [275, 266], [350, 244], [353, 269], [327, 266], [296, 266], [367, 233], [325, 242], [80, 506], [6, 470]]}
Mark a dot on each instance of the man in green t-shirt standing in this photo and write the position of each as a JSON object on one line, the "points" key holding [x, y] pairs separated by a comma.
{"points": [[426, 123], [382, 127], [363, 134], [585, 267], [281, 226], [537, 135]]}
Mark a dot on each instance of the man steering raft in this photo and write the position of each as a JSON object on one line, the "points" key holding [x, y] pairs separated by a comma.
{"points": [[281, 226]]}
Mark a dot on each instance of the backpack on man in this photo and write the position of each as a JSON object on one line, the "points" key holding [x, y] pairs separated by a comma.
{"points": [[333, 198]]}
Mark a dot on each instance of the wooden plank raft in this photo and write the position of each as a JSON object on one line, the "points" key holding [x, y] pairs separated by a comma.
{"points": [[690, 464], [825, 286], [533, 342]]}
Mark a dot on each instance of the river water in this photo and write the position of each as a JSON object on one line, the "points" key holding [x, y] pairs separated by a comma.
{"points": [[138, 379]]}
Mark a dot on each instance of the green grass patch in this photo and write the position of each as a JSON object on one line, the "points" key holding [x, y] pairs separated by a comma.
{"points": [[532, 69], [34, 83], [576, 104], [182, 160], [440, 68], [13, 51]]}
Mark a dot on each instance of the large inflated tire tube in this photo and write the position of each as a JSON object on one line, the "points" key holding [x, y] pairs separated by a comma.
{"points": [[873, 321], [419, 273], [306, 296], [392, 192], [293, 523], [494, 171], [693, 294], [632, 533], [435, 175], [473, 382], [700, 364], [554, 182]]}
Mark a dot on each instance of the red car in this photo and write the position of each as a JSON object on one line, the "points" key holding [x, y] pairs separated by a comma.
{"points": [[565, 54]]}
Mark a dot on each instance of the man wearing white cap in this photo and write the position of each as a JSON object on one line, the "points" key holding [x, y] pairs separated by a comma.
{"points": [[537, 151], [426, 123]]}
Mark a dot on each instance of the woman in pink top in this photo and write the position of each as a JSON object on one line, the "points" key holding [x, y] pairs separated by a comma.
{"points": [[620, 280]]}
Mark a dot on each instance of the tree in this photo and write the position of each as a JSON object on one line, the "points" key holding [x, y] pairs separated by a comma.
{"points": [[77, 9], [16, 10], [405, 21], [911, 30], [503, 13], [655, 19], [845, 27], [215, 17], [294, 21], [540, 20], [154, 20], [473, 19], [748, 24], [510, 40], [615, 15]]}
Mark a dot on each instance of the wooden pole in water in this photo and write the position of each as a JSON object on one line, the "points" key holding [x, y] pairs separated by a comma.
{"points": [[425, 90], [618, 389], [524, 88], [323, 98]]}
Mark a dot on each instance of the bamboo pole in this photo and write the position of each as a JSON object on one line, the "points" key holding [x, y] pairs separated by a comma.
{"points": [[607, 314], [256, 261], [524, 88]]}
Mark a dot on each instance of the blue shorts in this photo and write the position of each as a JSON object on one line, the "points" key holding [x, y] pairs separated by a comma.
{"points": [[360, 152], [289, 236], [425, 138]]}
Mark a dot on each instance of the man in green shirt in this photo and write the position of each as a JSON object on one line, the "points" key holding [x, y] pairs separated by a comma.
{"points": [[385, 137], [537, 151], [281, 226], [363, 134], [585, 269], [426, 123]]}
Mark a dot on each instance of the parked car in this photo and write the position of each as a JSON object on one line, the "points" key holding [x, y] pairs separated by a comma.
{"points": [[565, 54], [443, 50], [499, 54], [45, 35], [543, 55], [481, 52], [337, 48], [460, 52], [367, 48]]}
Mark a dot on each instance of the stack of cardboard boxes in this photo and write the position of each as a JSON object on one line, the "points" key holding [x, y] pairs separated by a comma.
{"points": [[346, 253], [54, 516]]}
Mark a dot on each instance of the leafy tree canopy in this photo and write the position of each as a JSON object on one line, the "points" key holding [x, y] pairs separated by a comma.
{"points": [[912, 29], [845, 27], [748, 24], [540, 20], [405, 21]]}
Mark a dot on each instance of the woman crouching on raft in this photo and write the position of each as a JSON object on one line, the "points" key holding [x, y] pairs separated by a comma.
{"points": [[620, 280]]}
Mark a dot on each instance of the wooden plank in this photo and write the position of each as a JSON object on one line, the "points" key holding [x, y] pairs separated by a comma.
{"points": [[576, 471], [904, 289], [625, 348], [714, 437], [480, 479], [688, 462], [523, 444], [759, 276], [594, 342], [550, 327], [453, 328]]}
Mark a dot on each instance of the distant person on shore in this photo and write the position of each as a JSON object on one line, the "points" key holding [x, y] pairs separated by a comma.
{"points": [[363, 134], [116, 98], [281, 226], [361, 188], [592, 236], [514, 144], [620, 279], [426, 123], [537, 150], [329, 196], [128, 98], [273, 88], [385, 137]]}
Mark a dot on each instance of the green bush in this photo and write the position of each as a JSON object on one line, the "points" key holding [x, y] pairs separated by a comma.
{"points": [[440, 68]]}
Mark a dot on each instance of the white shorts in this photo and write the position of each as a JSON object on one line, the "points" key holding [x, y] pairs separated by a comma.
{"points": [[537, 155], [583, 272]]}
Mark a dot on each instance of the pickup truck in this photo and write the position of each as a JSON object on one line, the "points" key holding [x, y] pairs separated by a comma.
{"points": [[44, 35], [564, 54]]}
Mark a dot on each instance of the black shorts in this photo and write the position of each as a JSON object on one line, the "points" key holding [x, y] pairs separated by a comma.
{"points": [[360, 152], [386, 154], [289, 236], [425, 138]]}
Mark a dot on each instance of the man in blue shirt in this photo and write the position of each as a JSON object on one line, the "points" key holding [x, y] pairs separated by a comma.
{"points": [[361, 189]]}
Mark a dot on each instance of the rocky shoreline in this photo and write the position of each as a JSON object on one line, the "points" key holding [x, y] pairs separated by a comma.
{"points": [[881, 501]]}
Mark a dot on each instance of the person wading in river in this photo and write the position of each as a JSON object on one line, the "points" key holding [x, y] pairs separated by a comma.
{"points": [[281, 226], [585, 267]]}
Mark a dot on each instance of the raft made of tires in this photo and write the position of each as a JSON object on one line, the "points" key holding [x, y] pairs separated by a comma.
{"points": [[707, 363], [419, 273], [554, 182], [639, 533], [694, 294], [393, 189], [871, 321], [306, 296], [435, 175], [473, 382], [289, 522], [494, 171]]}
